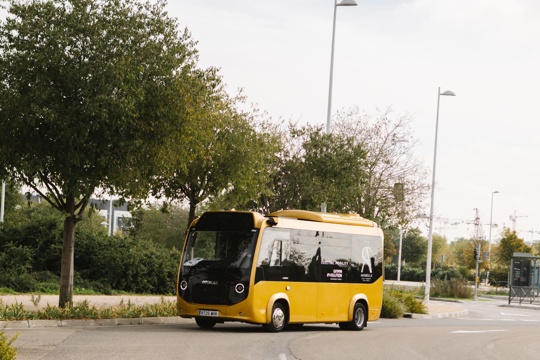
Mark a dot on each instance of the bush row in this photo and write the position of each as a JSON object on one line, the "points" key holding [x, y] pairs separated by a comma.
{"points": [[30, 257], [496, 277]]}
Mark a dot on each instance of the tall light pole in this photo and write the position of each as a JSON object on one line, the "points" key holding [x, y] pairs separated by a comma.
{"points": [[489, 240], [430, 234], [342, 3]]}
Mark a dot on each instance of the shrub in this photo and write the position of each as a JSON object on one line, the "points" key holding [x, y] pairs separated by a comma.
{"points": [[390, 271], [7, 352], [446, 273], [499, 276], [407, 273], [452, 288], [408, 299], [396, 302], [392, 307], [30, 257]]}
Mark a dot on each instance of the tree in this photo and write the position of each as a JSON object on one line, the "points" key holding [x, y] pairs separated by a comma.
{"points": [[221, 154], [391, 244], [414, 247], [388, 143], [439, 247], [460, 253], [508, 245], [89, 95], [316, 167], [160, 224], [535, 248]]}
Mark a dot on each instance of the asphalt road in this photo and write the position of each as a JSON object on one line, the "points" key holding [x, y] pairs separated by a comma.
{"points": [[488, 331]]}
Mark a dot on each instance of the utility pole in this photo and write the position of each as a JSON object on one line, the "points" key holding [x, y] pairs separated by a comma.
{"points": [[477, 258], [477, 237]]}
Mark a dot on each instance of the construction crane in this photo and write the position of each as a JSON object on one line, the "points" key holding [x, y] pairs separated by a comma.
{"points": [[531, 232], [452, 222], [514, 218]]}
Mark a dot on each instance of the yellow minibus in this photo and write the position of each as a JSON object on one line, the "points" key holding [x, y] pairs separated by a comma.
{"points": [[288, 268]]}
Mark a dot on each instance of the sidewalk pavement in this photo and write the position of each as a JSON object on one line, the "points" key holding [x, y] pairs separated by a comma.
{"points": [[438, 309]]}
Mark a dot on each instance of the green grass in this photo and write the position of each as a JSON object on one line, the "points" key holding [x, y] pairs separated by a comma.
{"points": [[7, 291]]}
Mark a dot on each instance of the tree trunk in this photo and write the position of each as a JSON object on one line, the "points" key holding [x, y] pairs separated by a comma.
{"points": [[191, 216], [68, 251]]}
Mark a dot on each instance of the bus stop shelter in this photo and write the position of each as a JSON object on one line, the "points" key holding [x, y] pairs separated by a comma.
{"points": [[524, 278]]}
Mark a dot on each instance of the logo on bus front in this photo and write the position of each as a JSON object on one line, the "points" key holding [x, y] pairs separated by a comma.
{"points": [[209, 282]]}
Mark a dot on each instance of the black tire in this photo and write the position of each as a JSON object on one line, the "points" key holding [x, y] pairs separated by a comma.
{"points": [[359, 320], [278, 319], [205, 323]]}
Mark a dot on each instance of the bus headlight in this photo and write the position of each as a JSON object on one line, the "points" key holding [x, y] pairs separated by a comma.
{"points": [[183, 285], [239, 288]]}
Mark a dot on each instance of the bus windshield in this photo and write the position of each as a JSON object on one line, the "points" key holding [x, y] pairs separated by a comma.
{"points": [[219, 249]]}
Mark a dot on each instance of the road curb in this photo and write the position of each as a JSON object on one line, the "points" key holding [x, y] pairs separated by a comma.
{"points": [[31, 324], [454, 314]]}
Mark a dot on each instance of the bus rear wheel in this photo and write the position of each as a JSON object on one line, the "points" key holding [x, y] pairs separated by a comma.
{"points": [[278, 320], [359, 320], [205, 323]]}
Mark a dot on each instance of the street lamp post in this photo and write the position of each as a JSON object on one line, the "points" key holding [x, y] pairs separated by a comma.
{"points": [[489, 240], [430, 234], [342, 3]]}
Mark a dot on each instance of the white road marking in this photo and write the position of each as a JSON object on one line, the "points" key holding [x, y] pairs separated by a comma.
{"points": [[512, 314], [475, 331], [282, 357]]}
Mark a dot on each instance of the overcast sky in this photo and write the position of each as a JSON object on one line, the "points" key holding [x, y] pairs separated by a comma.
{"points": [[397, 53]]}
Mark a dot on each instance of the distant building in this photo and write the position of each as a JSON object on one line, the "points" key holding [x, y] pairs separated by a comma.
{"points": [[120, 213], [110, 209]]}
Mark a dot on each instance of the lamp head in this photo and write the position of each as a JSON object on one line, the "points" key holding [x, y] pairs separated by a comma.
{"points": [[448, 93], [347, 3]]}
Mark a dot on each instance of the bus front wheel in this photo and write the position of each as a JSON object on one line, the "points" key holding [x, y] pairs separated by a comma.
{"points": [[359, 320], [205, 323], [278, 320]]}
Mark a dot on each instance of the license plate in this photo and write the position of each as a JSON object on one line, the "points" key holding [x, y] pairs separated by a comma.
{"points": [[208, 313]]}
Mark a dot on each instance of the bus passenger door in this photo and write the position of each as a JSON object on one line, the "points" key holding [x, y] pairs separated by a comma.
{"points": [[304, 274], [333, 291]]}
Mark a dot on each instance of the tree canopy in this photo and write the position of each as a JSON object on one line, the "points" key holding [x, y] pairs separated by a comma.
{"points": [[314, 167], [388, 143], [222, 152], [414, 247], [89, 94], [508, 245]]}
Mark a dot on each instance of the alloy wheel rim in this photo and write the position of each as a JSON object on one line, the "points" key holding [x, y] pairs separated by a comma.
{"points": [[278, 318]]}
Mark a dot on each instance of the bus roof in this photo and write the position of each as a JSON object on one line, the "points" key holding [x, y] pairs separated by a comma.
{"points": [[334, 218]]}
